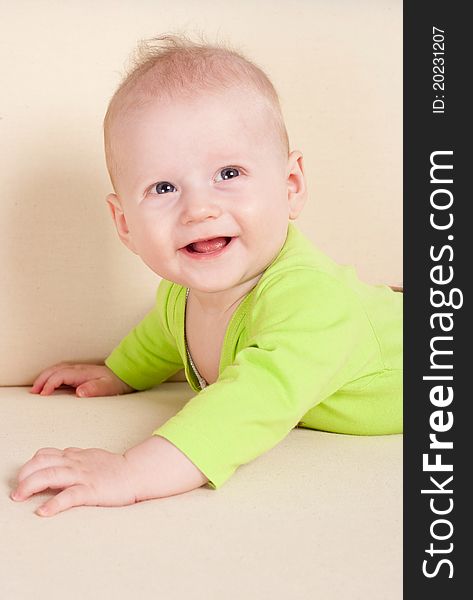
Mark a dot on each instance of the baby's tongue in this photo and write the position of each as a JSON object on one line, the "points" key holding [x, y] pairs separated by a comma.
{"points": [[209, 245]]}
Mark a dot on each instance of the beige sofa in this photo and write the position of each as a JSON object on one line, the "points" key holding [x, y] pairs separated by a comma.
{"points": [[319, 515]]}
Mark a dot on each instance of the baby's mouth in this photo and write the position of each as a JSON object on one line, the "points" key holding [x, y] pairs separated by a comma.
{"points": [[208, 246]]}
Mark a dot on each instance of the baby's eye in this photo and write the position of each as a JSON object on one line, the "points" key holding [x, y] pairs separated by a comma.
{"points": [[228, 173], [163, 187]]}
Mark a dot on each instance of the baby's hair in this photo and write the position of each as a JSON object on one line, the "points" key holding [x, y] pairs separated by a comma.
{"points": [[173, 66]]}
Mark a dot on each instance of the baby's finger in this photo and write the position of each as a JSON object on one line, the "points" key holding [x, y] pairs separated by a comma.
{"points": [[94, 387], [41, 380], [68, 376], [51, 477], [47, 451], [44, 376], [76, 495], [42, 461]]}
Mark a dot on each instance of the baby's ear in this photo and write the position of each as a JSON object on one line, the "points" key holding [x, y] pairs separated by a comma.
{"points": [[296, 184], [118, 216]]}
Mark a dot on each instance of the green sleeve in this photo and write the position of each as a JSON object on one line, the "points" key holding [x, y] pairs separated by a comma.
{"points": [[308, 336], [148, 355]]}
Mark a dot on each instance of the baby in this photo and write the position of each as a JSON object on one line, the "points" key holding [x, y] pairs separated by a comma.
{"points": [[272, 333]]}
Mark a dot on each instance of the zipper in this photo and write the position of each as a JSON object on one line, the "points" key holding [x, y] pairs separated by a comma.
{"points": [[202, 383]]}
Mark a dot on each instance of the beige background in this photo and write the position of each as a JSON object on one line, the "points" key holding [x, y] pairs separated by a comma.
{"points": [[69, 290]]}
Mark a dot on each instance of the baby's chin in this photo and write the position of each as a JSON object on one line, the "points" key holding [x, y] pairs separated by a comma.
{"points": [[234, 288], [211, 286]]}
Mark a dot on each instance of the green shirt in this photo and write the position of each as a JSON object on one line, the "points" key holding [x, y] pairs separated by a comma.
{"points": [[310, 345]]}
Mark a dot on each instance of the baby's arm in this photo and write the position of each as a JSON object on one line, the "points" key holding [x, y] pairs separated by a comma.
{"points": [[89, 380], [93, 477]]}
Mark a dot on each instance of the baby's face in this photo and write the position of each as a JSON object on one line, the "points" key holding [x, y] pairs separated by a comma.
{"points": [[198, 169]]}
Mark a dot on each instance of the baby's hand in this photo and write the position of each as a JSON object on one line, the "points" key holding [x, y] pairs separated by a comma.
{"points": [[155, 468], [91, 477], [89, 380]]}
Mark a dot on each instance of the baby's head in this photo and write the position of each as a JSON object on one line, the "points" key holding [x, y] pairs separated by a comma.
{"points": [[197, 149]]}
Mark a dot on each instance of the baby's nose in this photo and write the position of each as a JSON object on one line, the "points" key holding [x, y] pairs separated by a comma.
{"points": [[199, 206]]}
